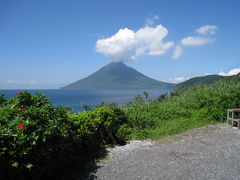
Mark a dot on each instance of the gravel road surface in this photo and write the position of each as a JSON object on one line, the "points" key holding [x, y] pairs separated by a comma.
{"points": [[211, 152]]}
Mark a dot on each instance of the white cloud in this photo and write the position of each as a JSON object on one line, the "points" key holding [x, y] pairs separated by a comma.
{"points": [[32, 82], [128, 45], [151, 21], [9, 82], [230, 73], [178, 51], [177, 79], [207, 30], [16, 82], [195, 41]]}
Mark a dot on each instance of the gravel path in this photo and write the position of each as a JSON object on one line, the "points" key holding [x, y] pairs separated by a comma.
{"points": [[211, 152]]}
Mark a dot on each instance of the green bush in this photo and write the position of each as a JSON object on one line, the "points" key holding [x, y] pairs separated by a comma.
{"points": [[100, 125], [2, 100], [36, 139], [124, 132]]}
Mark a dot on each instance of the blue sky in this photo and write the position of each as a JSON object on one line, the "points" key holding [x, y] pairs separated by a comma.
{"points": [[48, 44]]}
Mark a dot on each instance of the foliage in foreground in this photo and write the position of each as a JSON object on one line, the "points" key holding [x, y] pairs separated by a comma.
{"points": [[38, 140], [183, 110], [101, 125]]}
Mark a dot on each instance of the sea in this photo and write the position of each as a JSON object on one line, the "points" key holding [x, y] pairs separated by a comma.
{"points": [[92, 97]]}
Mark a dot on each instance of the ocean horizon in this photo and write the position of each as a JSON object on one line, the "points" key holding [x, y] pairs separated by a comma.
{"points": [[90, 97]]}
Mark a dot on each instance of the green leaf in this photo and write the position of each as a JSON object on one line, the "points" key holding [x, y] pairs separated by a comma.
{"points": [[29, 166], [15, 164]]}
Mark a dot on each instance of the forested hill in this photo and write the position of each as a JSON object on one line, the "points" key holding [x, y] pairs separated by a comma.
{"points": [[198, 80]]}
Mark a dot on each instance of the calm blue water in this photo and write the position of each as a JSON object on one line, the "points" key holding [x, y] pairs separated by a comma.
{"points": [[73, 98]]}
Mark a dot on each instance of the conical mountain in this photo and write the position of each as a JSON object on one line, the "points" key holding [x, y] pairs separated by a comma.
{"points": [[118, 75]]}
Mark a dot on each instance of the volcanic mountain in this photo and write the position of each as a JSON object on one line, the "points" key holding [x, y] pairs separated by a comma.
{"points": [[118, 75]]}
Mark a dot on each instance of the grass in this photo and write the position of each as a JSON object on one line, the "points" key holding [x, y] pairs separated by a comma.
{"points": [[176, 127], [198, 106]]}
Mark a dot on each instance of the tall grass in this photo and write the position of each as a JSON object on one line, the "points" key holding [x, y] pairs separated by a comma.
{"points": [[197, 106]]}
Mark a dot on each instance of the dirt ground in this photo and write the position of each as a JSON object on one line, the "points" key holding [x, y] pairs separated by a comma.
{"points": [[211, 152]]}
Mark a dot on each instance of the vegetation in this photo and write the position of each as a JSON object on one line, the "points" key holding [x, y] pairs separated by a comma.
{"points": [[198, 80], [38, 140], [183, 110], [100, 125]]}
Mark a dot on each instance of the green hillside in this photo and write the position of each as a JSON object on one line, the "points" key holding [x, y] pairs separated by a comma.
{"points": [[197, 106], [117, 75], [198, 80]]}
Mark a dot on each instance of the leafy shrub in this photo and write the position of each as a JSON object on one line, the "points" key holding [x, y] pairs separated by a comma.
{"points": [[2, 100], [36, 139], [138, 99], [99, 125], [124, 132]]}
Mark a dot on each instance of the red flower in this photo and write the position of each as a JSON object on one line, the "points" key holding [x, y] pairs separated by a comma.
{"points": [[20, 126], [21, 109], [20, 92]]}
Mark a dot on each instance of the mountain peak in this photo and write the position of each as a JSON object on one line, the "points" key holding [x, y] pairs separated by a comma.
{"points": [[118, 63], [117, 75]]}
